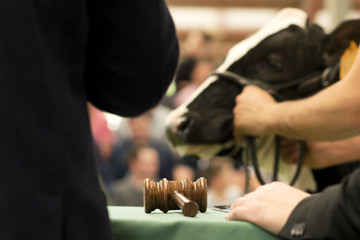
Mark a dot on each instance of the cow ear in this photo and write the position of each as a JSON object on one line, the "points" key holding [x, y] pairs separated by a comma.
{"points": [[339, 40]]}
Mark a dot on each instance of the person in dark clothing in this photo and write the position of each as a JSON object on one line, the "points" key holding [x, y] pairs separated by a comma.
{"points": [[55, 56]]}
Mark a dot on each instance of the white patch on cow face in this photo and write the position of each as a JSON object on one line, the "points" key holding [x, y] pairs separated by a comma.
{"points": [[285, 18], [174, 118], [199, 90]]}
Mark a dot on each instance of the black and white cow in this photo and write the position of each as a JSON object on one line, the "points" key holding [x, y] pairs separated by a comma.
{"points": [[286, 50]]}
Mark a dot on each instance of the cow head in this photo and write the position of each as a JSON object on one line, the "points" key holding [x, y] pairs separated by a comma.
{"points": [[284, 50]]}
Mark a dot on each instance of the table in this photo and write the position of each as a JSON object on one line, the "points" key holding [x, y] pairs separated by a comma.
{"points": [[133, 223]]}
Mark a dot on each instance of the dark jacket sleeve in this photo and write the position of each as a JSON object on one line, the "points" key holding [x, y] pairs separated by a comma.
{"points": [[131, 55], [332, 214]]}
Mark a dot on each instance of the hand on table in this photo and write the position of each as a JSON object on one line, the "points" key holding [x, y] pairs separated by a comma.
{"points": [[269, 206], [252, 113]]}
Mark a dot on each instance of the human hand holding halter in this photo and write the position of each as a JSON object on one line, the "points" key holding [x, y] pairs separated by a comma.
{"points": [[253, 113]]}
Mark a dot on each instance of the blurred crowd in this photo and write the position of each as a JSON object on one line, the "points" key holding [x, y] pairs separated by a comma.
{"points": [[138, 149]]}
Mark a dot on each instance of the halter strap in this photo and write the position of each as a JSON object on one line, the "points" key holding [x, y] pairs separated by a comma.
{"points": [[302, 84]]}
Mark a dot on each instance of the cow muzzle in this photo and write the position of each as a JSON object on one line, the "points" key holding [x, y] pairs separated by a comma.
{"points": [[177, 126]]}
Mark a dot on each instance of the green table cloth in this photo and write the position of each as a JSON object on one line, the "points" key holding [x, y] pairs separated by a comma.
{"points": [[133, 223]]}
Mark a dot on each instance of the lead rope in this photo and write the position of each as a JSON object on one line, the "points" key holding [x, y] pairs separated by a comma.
{"points": [[251, 148], [300, 162], [247, 159], [277, 158], [250, 156]]}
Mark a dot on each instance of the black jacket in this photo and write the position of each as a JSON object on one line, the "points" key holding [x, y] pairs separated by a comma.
{"points": [[332, 214], [55, 55]]}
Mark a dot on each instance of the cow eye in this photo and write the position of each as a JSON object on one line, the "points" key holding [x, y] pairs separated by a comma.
{"points": [[274, 63]]}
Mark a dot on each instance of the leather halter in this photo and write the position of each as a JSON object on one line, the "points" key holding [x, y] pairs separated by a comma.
{"points": [[313, 80], [316, 80]]}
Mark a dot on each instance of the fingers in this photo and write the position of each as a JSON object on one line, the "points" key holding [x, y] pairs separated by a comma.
{"points": [[286, 142], [291, 157], [238, 210], [238, 133], [238, 213], [238, 136], [252, 113], [290, 150], [238, 202], [244, 208], [252, 88]]}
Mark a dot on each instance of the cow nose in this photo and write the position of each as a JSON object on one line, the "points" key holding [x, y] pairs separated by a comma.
{"points": [[183, 125], [178, 124], [178, 130]]}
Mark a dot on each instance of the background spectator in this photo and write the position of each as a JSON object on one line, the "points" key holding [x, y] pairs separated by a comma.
{"points": [[104, 140], [156, 128], [190, 75], [140, 135], [143, 162], [223, 187]]}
